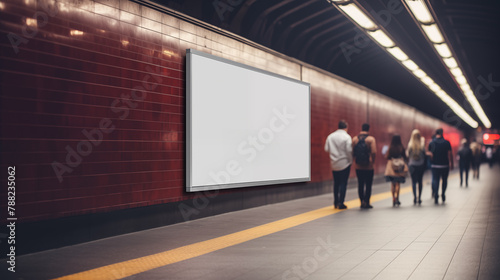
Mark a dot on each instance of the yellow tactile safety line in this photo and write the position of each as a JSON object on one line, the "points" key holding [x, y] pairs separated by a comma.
{"points": [[135, 266]]}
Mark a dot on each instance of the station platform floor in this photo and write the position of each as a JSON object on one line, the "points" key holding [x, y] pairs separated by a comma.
{"points": [[305, 239]]}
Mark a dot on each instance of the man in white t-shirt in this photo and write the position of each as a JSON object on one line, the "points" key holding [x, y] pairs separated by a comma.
{"points": [[339, 146]]}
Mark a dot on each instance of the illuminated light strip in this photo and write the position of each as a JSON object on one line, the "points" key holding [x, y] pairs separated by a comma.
{"points": [[433, 33], [431, 30], [352, 11], [135, 266], [420, 11], [382, 38], [358, 16]]}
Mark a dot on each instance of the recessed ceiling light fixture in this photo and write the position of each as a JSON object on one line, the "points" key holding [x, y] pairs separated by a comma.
{"points": [[356, 14], [424, 18]]}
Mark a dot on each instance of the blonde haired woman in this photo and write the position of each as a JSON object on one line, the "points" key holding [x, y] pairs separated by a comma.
{"points": [[416, 164], [476, 159]]}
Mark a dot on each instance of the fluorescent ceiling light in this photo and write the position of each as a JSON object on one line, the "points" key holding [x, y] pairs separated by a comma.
{"points": [[423, 15], [456, 72], [460, 112], [479, 112], [434, 87], [433, 33], [397, 53], [426, 80], [450, 62], [358, 16], [440, 94], [443, 50], [419, 73], [470, 95], [457, 109], [410, 64], [465, 87], [420, 11], [461, 80], [449, 101], [430, 28], [381, 38]]}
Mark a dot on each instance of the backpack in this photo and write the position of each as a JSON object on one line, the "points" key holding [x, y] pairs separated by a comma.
{"points": [[361, 151]]}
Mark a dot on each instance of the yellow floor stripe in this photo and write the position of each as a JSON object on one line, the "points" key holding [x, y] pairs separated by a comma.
{"points": [[135, 266]]}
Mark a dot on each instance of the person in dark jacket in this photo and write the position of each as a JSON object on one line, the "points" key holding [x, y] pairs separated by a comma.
{"points": [[441, 163], [364, 170], [464, 161]]}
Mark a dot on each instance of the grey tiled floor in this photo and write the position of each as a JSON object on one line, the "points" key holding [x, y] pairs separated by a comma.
{"points": [[456, 240]]}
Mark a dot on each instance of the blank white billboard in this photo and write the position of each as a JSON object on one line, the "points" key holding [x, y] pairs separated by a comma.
{"points": [[244, 126]]}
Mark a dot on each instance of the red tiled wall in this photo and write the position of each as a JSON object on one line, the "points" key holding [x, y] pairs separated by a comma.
{"points": [[78, 69]]}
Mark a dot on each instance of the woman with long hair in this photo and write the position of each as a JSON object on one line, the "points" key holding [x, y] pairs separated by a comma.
{"points": [[476, 159], [396, 167], [416, 164]]}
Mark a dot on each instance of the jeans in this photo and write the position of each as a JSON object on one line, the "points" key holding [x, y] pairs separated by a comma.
{"points": [[365, 178], [417, 172], [439, 173], [340, 185]]}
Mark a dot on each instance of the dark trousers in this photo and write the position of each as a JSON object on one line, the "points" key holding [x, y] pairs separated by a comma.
{"points": [[365, 181], [475, 168], [437, 174], [464, 169], [340, 185], [417, 172]]}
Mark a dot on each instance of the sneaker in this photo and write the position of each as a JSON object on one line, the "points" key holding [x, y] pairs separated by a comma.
{"points": [[342, 206], [368, 206]]}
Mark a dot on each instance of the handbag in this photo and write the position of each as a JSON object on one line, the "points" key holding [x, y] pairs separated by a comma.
{"points": [[396, 167]]}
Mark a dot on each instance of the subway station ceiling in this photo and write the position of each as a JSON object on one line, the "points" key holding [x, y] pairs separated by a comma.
{"points": [[316, 32]]}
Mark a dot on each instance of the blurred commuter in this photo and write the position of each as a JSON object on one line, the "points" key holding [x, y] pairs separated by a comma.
{"points": [[464, 161], [417, 163], [489, 156], [496, 154], [339, 145], [364, 150], [442, 161], [476, 159], [396, 168]]}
